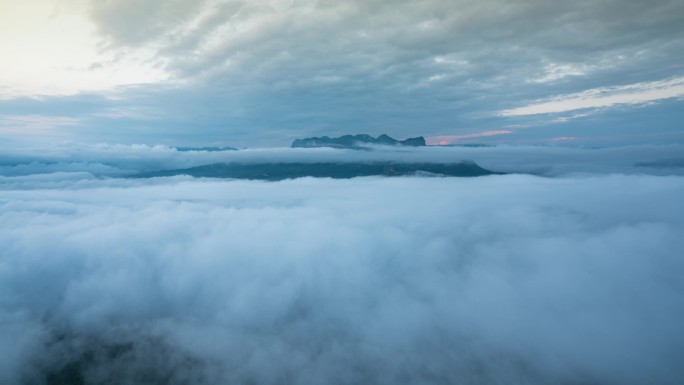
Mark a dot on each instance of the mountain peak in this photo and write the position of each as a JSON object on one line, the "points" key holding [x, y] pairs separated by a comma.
{"points": [[356, 141]]}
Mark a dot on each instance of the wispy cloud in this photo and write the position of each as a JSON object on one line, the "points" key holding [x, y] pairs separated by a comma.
{"points": [[638, 93], [34, 124], [563, 139], [448, 139], [554, 72]]}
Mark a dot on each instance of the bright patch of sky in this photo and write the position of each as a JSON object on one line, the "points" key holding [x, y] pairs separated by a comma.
{"points": [[51, 48], [639, 93]]}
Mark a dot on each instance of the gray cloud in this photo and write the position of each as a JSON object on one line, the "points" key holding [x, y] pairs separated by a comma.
{"points": [[433, 67], [137, 23], [264, 72], [375, 280], [391, 31]]}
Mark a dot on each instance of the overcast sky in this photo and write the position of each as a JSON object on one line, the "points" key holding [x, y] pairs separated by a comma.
{"points": [[260, 73]]}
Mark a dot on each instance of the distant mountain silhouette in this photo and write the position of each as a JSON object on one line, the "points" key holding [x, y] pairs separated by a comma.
{"points": [[356, 141], [280, 171]]}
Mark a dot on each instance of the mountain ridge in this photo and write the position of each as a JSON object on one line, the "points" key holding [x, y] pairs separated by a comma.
{"points": [[356, 141], [335, 170]]}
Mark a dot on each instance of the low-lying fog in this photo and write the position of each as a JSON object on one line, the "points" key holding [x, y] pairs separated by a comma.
{"points": [[501, 279]]}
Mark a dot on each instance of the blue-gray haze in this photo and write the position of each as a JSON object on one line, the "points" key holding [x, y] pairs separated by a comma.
{"points": [[567, 273]]}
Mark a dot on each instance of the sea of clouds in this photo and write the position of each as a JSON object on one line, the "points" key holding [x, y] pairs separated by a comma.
{"points": [[571, 276], [121, 160]]}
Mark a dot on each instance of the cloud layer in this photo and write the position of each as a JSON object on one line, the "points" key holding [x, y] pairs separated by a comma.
{"points": [[263, 72], [503, 279], [116, 160]]}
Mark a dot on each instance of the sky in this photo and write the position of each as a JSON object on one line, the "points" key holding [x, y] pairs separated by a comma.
{"points": [[261, 73]]}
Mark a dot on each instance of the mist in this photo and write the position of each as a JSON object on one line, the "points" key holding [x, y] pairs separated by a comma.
{"points": [[491, 280], [526, 228], [118, 160]]}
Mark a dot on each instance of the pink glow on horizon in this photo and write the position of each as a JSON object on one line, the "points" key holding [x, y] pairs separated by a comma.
{"points": [[442, 140], [563, 139]]}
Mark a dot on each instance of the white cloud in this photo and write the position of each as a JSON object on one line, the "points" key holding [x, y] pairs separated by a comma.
{"points": [[555, 71], [638, 93], [503, 279], [115, 160]]}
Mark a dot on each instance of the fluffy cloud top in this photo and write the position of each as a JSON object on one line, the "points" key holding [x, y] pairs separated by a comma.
{"points": [[501, 279]]}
